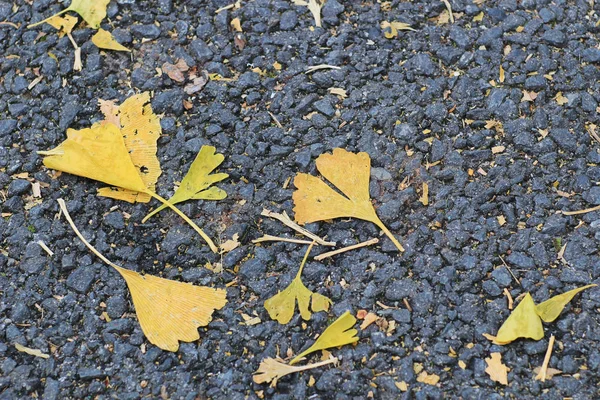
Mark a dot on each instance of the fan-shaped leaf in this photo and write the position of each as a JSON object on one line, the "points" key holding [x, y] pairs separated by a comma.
{"points": [[339, 333], [550, 309], [314, 200]]}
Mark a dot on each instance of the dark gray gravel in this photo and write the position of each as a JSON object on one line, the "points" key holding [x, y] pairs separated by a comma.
{"points": [[418, 104]]}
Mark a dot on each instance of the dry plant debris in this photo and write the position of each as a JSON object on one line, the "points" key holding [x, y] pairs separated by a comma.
{"points": [[271, 370], [497, 371], [30, 351]]}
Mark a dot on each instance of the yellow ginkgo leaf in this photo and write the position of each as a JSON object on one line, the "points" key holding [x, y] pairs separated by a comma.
{"points": [[196, 185], [314, 200], [550, 309], [171, 311], [281, 306], [63, 24], [140, 129], [339, 333], [93, 12], [523, 322], [99, 153], [105, 40], [168, 311], [271, 370]]}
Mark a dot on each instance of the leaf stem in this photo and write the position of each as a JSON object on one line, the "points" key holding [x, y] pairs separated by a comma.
{"points": [[389, 234], [156, 210], [304, 260], [208, 240], [46, 20], [63, 207]]}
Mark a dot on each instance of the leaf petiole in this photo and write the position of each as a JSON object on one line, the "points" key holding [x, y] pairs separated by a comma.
{"points": [[208, 240], [47, 19], [389, 234]]}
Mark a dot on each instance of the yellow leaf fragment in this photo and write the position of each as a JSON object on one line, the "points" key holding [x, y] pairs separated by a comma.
{"points": [[30, 351], [368, 320], [140, 129], [497, 371], [339, 333], [314, 200], [230, 244], [401, 385], [271, 370], [528, 96], [196, 185], [105, 40], [523, 322], [550, 309], [390, 29], [501, 77], [429, 379], [64, 24], [478, 17], [425, 195], [560, 99], [281, 306], [498, 149], [111, 111], [168, 311], [236, 24]]}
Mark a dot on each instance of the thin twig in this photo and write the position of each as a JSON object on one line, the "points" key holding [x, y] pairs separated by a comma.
{"points": [[275, 119], [541, 376], [9, 24], [46, 248], [270, 238], [314, 68], [449, 8], [587, 210], [286, 220], [508, 268], [509, 298], [343, 250]]}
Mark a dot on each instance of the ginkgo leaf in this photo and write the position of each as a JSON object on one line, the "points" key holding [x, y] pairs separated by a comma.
{"points": [[171, 311], [140, 129], [523, 322], [99, 153], [105, 40], [30, 351], [550, 309], [497, 371], [281, 306], [339, 333], [314, 200], [271, 370], [93, 12], [168, 311], [64, 24], [197, 182]]}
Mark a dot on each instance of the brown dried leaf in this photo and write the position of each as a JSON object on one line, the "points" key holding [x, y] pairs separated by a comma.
{"points": [[497, 371]]}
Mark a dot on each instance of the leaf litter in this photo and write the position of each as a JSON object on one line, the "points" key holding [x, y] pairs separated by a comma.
{"points": [[168, 311], [271, 369], [30, 351], [122, 158], [497, 371]]}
